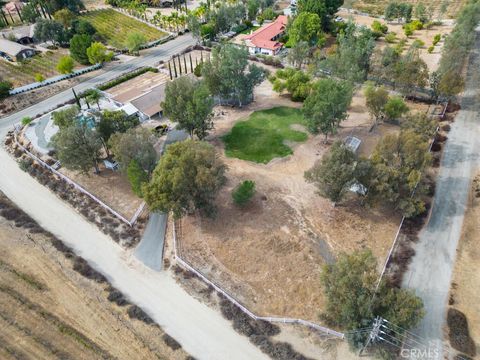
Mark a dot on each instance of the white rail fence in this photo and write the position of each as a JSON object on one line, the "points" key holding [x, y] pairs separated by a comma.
{"points": [[130, 222], [270, 319]]}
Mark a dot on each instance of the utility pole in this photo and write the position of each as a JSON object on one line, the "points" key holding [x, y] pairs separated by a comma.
{"points": [[373, 334]]}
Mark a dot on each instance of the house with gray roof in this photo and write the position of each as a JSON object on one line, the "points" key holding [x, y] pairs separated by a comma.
{"points": [[13, 51]]}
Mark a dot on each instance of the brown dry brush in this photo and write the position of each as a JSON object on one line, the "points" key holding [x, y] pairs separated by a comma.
{"points": [[259, 332], [458, 332]]}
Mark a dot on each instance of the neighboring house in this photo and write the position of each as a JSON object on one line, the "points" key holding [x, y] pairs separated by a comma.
{"points": [[142, 96], [21, 34], [13, 51], [265, 40]]}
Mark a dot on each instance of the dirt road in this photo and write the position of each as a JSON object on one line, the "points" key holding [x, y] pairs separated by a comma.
{"points": [[201, 331], [431, 270]]}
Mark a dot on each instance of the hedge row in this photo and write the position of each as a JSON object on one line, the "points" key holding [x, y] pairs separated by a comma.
{"points": [[126, 77]]}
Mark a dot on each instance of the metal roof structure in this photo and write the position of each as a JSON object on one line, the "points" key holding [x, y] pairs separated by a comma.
{"points": [[352, 143], [12, 48]]}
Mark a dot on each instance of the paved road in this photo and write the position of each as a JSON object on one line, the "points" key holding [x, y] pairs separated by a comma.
{"points": [[431, 270], [150, 249], [149, 57]]}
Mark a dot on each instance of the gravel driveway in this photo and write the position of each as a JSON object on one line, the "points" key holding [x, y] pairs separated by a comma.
{"points": [[431, 270]]}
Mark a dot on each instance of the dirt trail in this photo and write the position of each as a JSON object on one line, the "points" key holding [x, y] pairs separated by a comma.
{"points": [[201, 331]]}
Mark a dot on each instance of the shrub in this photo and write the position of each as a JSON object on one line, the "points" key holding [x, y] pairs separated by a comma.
{"points": [[124, 78], [117, 297], [39, 77], [243, 192], [416, 25], [418, 43], [431, 49], [377, 26], [391, 38], [198, 70], [24, 165], [26, 120], [408, 30], [5, 87], [171, 342], [458, 332], [81, 266], [65, 65], [135, 312]]}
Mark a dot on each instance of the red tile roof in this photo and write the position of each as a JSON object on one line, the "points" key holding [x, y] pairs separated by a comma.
{"points": [[262, 38]]}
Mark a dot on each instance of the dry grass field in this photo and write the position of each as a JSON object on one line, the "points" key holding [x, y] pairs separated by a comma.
{"points": [[47, 310], [270, 254]]}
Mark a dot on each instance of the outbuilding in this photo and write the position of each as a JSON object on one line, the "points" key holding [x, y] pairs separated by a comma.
{"points": [[13, 51]]}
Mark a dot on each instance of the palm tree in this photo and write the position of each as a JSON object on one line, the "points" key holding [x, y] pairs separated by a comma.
{"points": [[95, 96]]}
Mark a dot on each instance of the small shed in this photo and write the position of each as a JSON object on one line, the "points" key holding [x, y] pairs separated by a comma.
{"points": [[353, 143], [14, 51]]}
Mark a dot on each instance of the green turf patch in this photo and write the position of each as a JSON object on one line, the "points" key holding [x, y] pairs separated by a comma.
{"points": [[114, 27], [263, 136]]}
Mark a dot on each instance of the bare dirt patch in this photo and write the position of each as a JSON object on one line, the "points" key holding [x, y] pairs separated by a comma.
{"points": [[112, 187]]}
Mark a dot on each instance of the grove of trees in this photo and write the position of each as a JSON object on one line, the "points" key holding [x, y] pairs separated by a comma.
{"points": [[188, 103], [352, 301], [230, 77]]}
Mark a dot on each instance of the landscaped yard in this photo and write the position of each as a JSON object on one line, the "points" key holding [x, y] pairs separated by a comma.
{"points": [[114, 27], [24, 73], [265, 135]]}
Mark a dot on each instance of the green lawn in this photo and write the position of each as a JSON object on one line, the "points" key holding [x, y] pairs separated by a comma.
{"points": [[114, 27], [262, 136]]}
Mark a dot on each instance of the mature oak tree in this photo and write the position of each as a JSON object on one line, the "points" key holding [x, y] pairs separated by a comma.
{"points": [[187, 178]]}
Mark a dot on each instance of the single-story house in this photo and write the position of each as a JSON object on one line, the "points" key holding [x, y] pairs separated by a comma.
{"points": [[14, 51], [265, 39], [21, 34]]}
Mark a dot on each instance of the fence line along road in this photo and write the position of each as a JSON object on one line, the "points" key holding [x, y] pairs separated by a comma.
{"points": [[130, 222], [235, 302]]}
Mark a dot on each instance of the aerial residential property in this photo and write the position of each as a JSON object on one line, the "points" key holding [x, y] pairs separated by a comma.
{"points": [[239, 180], [265, 39]]}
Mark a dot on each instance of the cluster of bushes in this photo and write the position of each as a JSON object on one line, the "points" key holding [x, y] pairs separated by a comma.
{"points": [[411, 27], [136, 312], [404, 252], [458, 333], [81, 266], [91, 210], [171, 342], [116, 296], [259, 333], [267, 60], [126, 77]]}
